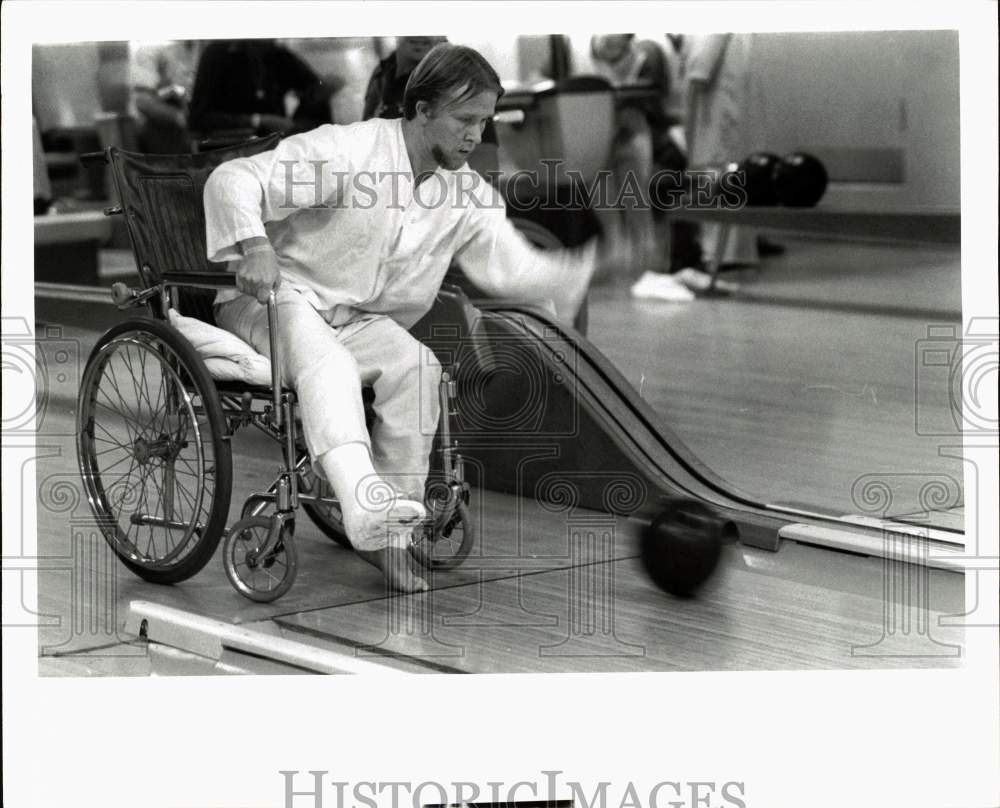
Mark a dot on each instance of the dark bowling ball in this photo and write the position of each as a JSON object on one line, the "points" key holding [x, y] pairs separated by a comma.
{"points": [[799, 180], [681, 547], [758, 176]]}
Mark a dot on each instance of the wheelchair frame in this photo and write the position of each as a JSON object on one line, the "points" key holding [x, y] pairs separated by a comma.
{"points": [[259, 553]]}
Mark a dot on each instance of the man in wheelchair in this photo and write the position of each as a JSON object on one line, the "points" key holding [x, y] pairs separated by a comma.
{"points": [[354, 227]]}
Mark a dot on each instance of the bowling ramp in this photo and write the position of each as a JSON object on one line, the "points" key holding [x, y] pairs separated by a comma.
{"points": [[572, 426]]}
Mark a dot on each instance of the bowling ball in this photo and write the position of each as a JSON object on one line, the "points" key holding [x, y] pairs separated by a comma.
{"points": [[758, 174], [680, 548], [799, 180]]}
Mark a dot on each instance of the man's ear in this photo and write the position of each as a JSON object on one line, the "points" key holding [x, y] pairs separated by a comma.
{"points": [[424, 110]]}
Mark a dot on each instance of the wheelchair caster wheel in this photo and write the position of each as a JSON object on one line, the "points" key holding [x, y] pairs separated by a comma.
{"points": [[256, 571], [445, 541]]}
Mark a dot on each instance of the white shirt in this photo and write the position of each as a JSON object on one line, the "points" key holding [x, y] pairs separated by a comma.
{"points": [[727, 99], [352, 233]]}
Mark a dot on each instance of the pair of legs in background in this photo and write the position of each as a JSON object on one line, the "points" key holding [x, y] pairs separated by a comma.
{"points": [[378, 479], [671, 253]]}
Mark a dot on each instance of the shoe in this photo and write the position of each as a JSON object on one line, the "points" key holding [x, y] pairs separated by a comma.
{"points": [[698, 281], [658, 286]]}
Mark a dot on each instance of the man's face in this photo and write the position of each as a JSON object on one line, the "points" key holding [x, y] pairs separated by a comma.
{"points": [[454, 130], [411, 49]]}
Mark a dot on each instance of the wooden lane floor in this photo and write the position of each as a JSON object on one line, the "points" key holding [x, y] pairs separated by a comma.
{"points": [[810, 379], [805, 608], [543, 592]]}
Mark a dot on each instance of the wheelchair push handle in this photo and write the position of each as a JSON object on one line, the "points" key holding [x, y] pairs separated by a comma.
{"points": [[125, 297], [100, 159], [121, 294], [94, 159]]}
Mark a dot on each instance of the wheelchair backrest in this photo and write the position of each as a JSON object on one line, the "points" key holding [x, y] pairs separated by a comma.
{"points": [[161, 196]]}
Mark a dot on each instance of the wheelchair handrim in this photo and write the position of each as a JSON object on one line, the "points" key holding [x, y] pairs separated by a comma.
{"points": [[87, 453]]}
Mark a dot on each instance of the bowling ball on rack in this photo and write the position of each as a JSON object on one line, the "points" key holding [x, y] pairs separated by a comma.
{"points": [[758, 178], [680, 548], [800, 180]]}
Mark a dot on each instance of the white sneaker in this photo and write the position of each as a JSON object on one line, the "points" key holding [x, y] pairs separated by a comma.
{"points": [[658, 286], [698, 281]]}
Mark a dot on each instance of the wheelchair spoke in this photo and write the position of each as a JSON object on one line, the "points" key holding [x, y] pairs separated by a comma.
{"points": [[126, 421], [143, 388], [126, 456], [111, 438], [126, 490], [116, 448], [190, 470], [144, 508], [188, 498], [112, 377], [117, 387], [138, 380], [158, 485]]}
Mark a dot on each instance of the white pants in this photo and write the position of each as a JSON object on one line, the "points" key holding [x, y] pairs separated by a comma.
{"points": [[326, 367]]}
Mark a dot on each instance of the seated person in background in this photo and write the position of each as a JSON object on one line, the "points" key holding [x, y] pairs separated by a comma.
{"points": [[241, 85], [645, 143], [384, 96], [355, 227], [161, 75]]}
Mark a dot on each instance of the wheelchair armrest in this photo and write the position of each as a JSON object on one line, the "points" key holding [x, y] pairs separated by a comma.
{"points": [[200, 280]]}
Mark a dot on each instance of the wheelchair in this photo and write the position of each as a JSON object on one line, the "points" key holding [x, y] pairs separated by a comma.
{"points": [[154, 427]]}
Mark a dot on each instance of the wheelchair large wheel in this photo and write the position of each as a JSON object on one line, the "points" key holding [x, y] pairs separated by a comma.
{"points": [[152, 449]]}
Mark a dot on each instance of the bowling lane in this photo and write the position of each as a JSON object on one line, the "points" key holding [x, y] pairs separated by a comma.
{"points": [[808, 608], [809, 381]]}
